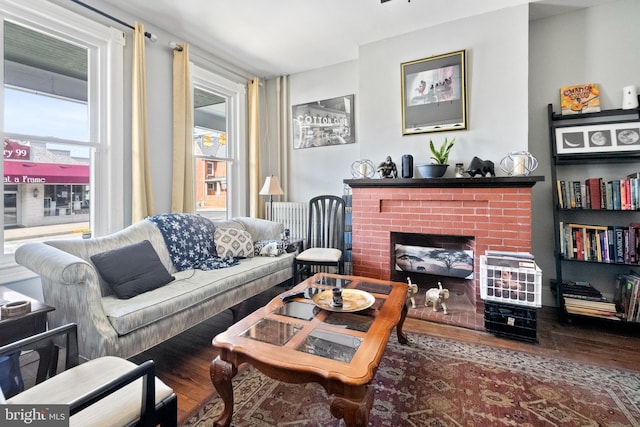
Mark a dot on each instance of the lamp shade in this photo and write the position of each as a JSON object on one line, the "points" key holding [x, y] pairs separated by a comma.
{"points": [[271, 187]]}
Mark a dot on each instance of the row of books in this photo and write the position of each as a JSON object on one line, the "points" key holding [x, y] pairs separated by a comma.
{"points": [[596, 193], [627, 296], [600, 243]]}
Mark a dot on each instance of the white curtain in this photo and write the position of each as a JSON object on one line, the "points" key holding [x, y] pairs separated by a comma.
{"points": [[142, 203], [183, 190]]}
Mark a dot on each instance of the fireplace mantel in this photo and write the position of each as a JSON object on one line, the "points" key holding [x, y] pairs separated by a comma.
{"points": [[512, 181]]}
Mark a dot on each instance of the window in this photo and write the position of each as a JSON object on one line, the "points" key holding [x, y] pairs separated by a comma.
{"points": [[57, 118], [218, 155]]}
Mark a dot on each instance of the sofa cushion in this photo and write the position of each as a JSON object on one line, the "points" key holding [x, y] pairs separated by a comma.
{"points": [[231, 242], [261, 229], [193, 288], [132, 269]]}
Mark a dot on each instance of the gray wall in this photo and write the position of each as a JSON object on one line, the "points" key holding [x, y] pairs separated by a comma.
{"points": [[595, 45]]}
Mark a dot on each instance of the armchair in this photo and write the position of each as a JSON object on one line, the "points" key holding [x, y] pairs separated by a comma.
{"points": [[107, 391]]}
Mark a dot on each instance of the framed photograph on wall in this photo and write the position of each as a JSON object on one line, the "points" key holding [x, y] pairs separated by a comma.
{"points": [[595, 138], [434, 94], [326, 122]]}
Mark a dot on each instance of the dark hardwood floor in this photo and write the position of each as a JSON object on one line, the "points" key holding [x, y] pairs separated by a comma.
{"points": [[183, 362]]}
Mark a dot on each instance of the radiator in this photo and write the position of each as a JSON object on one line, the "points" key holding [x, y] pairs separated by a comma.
{"points": [[293, 215]]}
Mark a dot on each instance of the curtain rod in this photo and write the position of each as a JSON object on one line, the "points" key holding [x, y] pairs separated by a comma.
{"points": [[147, 34]]}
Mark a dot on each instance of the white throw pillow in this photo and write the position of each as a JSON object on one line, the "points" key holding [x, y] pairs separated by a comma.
{"points": [[233, 242]]}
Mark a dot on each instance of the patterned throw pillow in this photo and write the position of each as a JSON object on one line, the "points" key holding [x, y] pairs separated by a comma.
{"points": [[269, 247], [232, 242]]}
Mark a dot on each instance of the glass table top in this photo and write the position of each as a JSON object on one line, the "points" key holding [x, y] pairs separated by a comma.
{"points": [[331, 345], [272, 331]]}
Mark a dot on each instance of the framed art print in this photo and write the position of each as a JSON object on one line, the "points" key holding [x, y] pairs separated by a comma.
{"points": [[595, 138], [325, 122], [434, 94]]}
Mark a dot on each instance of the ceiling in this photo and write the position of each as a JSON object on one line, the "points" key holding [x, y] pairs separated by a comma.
{"points": [[279, 37]]}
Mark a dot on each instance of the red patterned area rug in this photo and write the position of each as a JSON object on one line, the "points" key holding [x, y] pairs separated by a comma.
{"points": [[438, 382]]}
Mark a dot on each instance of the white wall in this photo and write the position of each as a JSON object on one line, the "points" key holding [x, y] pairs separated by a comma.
{"points": [[497, 56], [320, 170], [595, 45]]}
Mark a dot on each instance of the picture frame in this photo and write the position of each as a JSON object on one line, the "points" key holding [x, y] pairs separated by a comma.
{"points": [[434, 93], [598, 138], [322, 123], [443, 262]]}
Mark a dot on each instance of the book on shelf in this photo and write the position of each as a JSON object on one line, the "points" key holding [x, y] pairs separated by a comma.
{"points": [[560, 185], [577, 195], [593, 186], [576, 99], [609, 195], [615, 195]]}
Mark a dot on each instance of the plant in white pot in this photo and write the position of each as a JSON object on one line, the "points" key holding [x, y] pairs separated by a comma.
{"points": [[440, 157]]}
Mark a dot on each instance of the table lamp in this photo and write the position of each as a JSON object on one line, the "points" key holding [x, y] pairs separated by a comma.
{"points": [[271, 188]]}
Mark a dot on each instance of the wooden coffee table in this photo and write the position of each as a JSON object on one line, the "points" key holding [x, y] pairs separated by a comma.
{"points": [[298, 342]]}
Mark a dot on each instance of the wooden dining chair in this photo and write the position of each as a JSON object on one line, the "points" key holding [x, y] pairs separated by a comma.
{"points": [[324, 246]]}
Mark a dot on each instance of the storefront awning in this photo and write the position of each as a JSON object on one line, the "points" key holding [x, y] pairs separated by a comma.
{"points": [[44, 173]]}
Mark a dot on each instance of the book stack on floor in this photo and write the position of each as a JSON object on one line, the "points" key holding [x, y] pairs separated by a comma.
{"points": [[583, 299], [511, 285]]}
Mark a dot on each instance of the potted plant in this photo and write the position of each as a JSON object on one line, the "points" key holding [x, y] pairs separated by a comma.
{"points": [[440, 157]]}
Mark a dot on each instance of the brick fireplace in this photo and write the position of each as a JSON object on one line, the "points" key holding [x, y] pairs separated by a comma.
{"points": [[494, 212]]}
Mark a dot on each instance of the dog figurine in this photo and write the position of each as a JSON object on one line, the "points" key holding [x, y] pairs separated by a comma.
{"points": [[413, 289], [437, 296]]}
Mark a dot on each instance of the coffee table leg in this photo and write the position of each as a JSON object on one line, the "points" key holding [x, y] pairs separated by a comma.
{"points": [[354, 413], [221, 373], [402, 338]]}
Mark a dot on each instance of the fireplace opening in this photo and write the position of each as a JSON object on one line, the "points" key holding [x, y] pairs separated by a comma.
{"points": [[431, 258]]}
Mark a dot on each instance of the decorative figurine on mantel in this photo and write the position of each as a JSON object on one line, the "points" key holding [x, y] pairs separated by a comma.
{"points": [[437, 296], [413, 289], [481, 167], [388, 169]]}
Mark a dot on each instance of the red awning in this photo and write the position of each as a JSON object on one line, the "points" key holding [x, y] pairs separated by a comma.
{"points": [[44, 173]]}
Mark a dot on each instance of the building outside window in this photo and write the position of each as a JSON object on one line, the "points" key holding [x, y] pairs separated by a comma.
{"points": [[221, 161], [55, 113], [211, 153]]}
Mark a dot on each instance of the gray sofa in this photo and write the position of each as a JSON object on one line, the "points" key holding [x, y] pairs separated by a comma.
{"points": [[108, 325]]}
